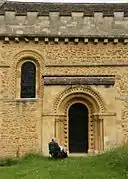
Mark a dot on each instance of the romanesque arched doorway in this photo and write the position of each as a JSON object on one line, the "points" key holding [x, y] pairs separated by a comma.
{"points": [[88, 134], [78, 128]]}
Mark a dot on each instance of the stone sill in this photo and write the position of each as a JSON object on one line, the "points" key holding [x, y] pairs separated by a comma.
{"points": [[26, 99]]}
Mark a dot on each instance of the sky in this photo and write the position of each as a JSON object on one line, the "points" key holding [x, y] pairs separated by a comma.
{"points": [[74, 1]]}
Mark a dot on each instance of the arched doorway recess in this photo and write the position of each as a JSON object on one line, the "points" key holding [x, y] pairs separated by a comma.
{"points": [[86, 99], [78, 128]]}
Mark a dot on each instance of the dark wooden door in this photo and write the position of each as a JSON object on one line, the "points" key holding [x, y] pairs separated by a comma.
{"points": [[78, 128]]}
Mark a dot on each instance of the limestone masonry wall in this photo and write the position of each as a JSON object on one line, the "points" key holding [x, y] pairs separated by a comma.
{"points": [[20, 127], [21, 121]]}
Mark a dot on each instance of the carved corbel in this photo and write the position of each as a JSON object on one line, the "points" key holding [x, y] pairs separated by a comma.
{"points": [[6, 40], [56, 40], [125, 41], [46, 40], [17, 40], [76, 40], [95, 41], [85, 40], [26, 40], [105, 41], [115, 41], [66, 40], [36, 40]]}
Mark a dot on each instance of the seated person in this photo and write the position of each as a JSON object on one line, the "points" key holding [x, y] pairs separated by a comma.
{"points": [[57, 151], [54, 148]]}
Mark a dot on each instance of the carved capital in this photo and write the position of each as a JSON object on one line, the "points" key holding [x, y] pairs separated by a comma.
{"points": [[97, 117], [59, 119]]}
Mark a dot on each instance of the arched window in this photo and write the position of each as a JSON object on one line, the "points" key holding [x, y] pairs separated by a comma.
{"points": [[28, 80]]}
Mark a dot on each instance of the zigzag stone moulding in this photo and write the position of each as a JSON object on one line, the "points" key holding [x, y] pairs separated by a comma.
{"points": [[79, 89], [83, 94], [80, 97]]}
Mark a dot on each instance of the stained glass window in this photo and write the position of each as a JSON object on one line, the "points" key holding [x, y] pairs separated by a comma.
{"points": [[28, 80]]}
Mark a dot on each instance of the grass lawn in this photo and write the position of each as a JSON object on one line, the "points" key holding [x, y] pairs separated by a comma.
{"points": [[111, 165]]}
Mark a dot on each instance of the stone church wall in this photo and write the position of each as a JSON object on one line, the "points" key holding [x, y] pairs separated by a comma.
{"points": [[24, 123], [20, 127]]}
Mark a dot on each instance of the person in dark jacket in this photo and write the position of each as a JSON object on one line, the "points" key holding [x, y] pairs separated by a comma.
{"points": [[54, 149], [57, 151]]}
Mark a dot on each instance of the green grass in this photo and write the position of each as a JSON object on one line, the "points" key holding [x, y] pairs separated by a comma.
{"points": [[111, 165]]}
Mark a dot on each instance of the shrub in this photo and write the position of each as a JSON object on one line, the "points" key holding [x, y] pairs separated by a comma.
{"points": [[8, 161]]}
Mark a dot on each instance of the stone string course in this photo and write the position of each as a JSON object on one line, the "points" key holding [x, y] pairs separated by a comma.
{"points": [[79, 80]]}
